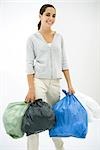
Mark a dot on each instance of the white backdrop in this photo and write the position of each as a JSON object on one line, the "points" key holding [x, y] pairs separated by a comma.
{"points": [[79, 23]]}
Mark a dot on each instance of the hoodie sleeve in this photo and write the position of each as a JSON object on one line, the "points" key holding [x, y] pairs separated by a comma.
{"points": [[64, 57], [30, 57]]}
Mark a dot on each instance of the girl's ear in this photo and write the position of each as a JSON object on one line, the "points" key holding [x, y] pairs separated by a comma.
{"points": [[40, 16]]}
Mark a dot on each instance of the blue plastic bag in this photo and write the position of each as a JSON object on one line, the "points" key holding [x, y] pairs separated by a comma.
{"points": [[71, 118]]}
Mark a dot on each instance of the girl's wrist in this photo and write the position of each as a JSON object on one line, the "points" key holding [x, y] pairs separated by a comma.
{"points": [[69, 85], [31, 87]]}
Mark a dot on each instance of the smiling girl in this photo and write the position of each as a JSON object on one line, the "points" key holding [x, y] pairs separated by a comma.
{"points": [[46, 61]]}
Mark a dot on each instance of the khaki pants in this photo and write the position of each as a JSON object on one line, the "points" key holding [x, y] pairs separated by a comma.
{"points": [[49, 91]]}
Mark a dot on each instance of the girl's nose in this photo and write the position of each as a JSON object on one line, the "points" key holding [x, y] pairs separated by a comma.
{"points": [[51, 18]]}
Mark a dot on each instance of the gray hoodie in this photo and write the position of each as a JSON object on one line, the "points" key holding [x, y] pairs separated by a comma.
{"points": [[44, 60]]}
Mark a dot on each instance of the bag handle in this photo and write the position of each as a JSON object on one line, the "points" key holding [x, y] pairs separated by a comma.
{"points": [[66, 93]]}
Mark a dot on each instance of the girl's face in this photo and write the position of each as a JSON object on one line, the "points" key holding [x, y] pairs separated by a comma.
{"points": [[48, 17]]}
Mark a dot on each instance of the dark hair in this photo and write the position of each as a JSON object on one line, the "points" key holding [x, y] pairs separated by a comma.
{"points": [[42, 10]]}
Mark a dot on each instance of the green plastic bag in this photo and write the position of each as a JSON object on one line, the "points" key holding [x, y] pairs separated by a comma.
{"points": [[12, 118]]}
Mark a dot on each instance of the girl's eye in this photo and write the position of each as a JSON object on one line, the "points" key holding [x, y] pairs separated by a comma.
{"points": [[54, 16], [47, 14]]}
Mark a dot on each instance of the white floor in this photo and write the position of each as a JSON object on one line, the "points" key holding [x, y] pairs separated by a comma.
{"points": [[91, 142]]}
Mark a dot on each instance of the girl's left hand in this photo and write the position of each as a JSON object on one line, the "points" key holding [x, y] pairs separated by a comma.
{"points": [[71, 90]]}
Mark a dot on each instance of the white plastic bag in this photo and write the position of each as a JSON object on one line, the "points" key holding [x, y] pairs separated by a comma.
{"points": [[91, 106]]}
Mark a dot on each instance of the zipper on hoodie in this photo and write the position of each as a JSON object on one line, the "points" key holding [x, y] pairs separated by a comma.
{"points": [[51, 62]]}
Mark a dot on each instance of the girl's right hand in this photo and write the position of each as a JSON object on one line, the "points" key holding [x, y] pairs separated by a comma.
{"points": [[30, 97]]}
